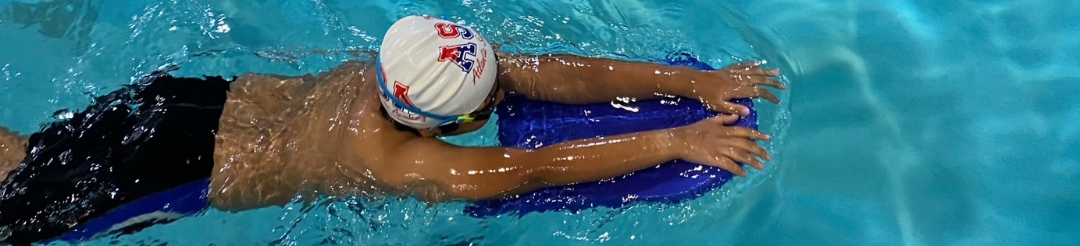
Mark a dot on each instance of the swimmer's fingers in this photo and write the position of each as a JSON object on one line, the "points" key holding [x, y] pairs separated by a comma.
{"points": [[768, 95], [725, 119], [731, 108], [757, 70], [746, 65], [743, 132], [767, 81], [756, 91], [755, 74], [738, 109], [752, 68], [727, 164], [744, 157], [751, 147]]}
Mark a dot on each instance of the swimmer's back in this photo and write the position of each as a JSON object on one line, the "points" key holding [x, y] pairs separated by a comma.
{"points": [[282, 135]]}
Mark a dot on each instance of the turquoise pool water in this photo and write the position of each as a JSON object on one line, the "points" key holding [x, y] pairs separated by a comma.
{"points": [[907, 122]]}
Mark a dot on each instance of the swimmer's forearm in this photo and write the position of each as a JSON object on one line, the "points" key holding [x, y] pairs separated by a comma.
{"points": [[577, 80], [594, 159], [481, 173]]}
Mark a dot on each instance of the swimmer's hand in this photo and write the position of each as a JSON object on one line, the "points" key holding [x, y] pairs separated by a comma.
{"points": [[742, 80], [712, 142]]}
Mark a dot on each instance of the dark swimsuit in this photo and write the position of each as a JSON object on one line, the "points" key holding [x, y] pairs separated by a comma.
{"points": [[143, 138]]}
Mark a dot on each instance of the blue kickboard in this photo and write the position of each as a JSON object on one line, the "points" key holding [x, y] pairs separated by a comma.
{"points": [[533, 124]]}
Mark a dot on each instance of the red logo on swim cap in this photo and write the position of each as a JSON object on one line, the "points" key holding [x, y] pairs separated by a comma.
{"points": [[401, 92], [451, 30], [458, 54]]}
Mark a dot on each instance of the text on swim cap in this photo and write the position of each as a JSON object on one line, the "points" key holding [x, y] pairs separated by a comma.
{"points": [[479, 70]]}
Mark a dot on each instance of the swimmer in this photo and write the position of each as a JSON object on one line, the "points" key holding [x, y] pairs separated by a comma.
{"points": [[361, 128]]}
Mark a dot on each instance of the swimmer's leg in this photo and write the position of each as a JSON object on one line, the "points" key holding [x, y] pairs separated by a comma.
{"points": [[12, 151]]}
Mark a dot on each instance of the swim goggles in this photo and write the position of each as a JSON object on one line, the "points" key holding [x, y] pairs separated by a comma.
{"points": [[481, 114]]}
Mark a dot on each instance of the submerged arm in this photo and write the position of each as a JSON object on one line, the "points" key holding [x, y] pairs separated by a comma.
{"points": [[575, 79], [437, 171], [578, 80]]}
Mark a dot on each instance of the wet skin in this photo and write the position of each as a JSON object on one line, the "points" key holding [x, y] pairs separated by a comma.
{"points": [[324, 134], [12, 150]]}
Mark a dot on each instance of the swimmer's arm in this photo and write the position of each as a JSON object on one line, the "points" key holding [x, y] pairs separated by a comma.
{"points": [[578, 80], [479, 173]]}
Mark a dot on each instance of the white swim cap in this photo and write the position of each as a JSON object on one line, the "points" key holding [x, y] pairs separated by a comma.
{"points": [[431, 71]]}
